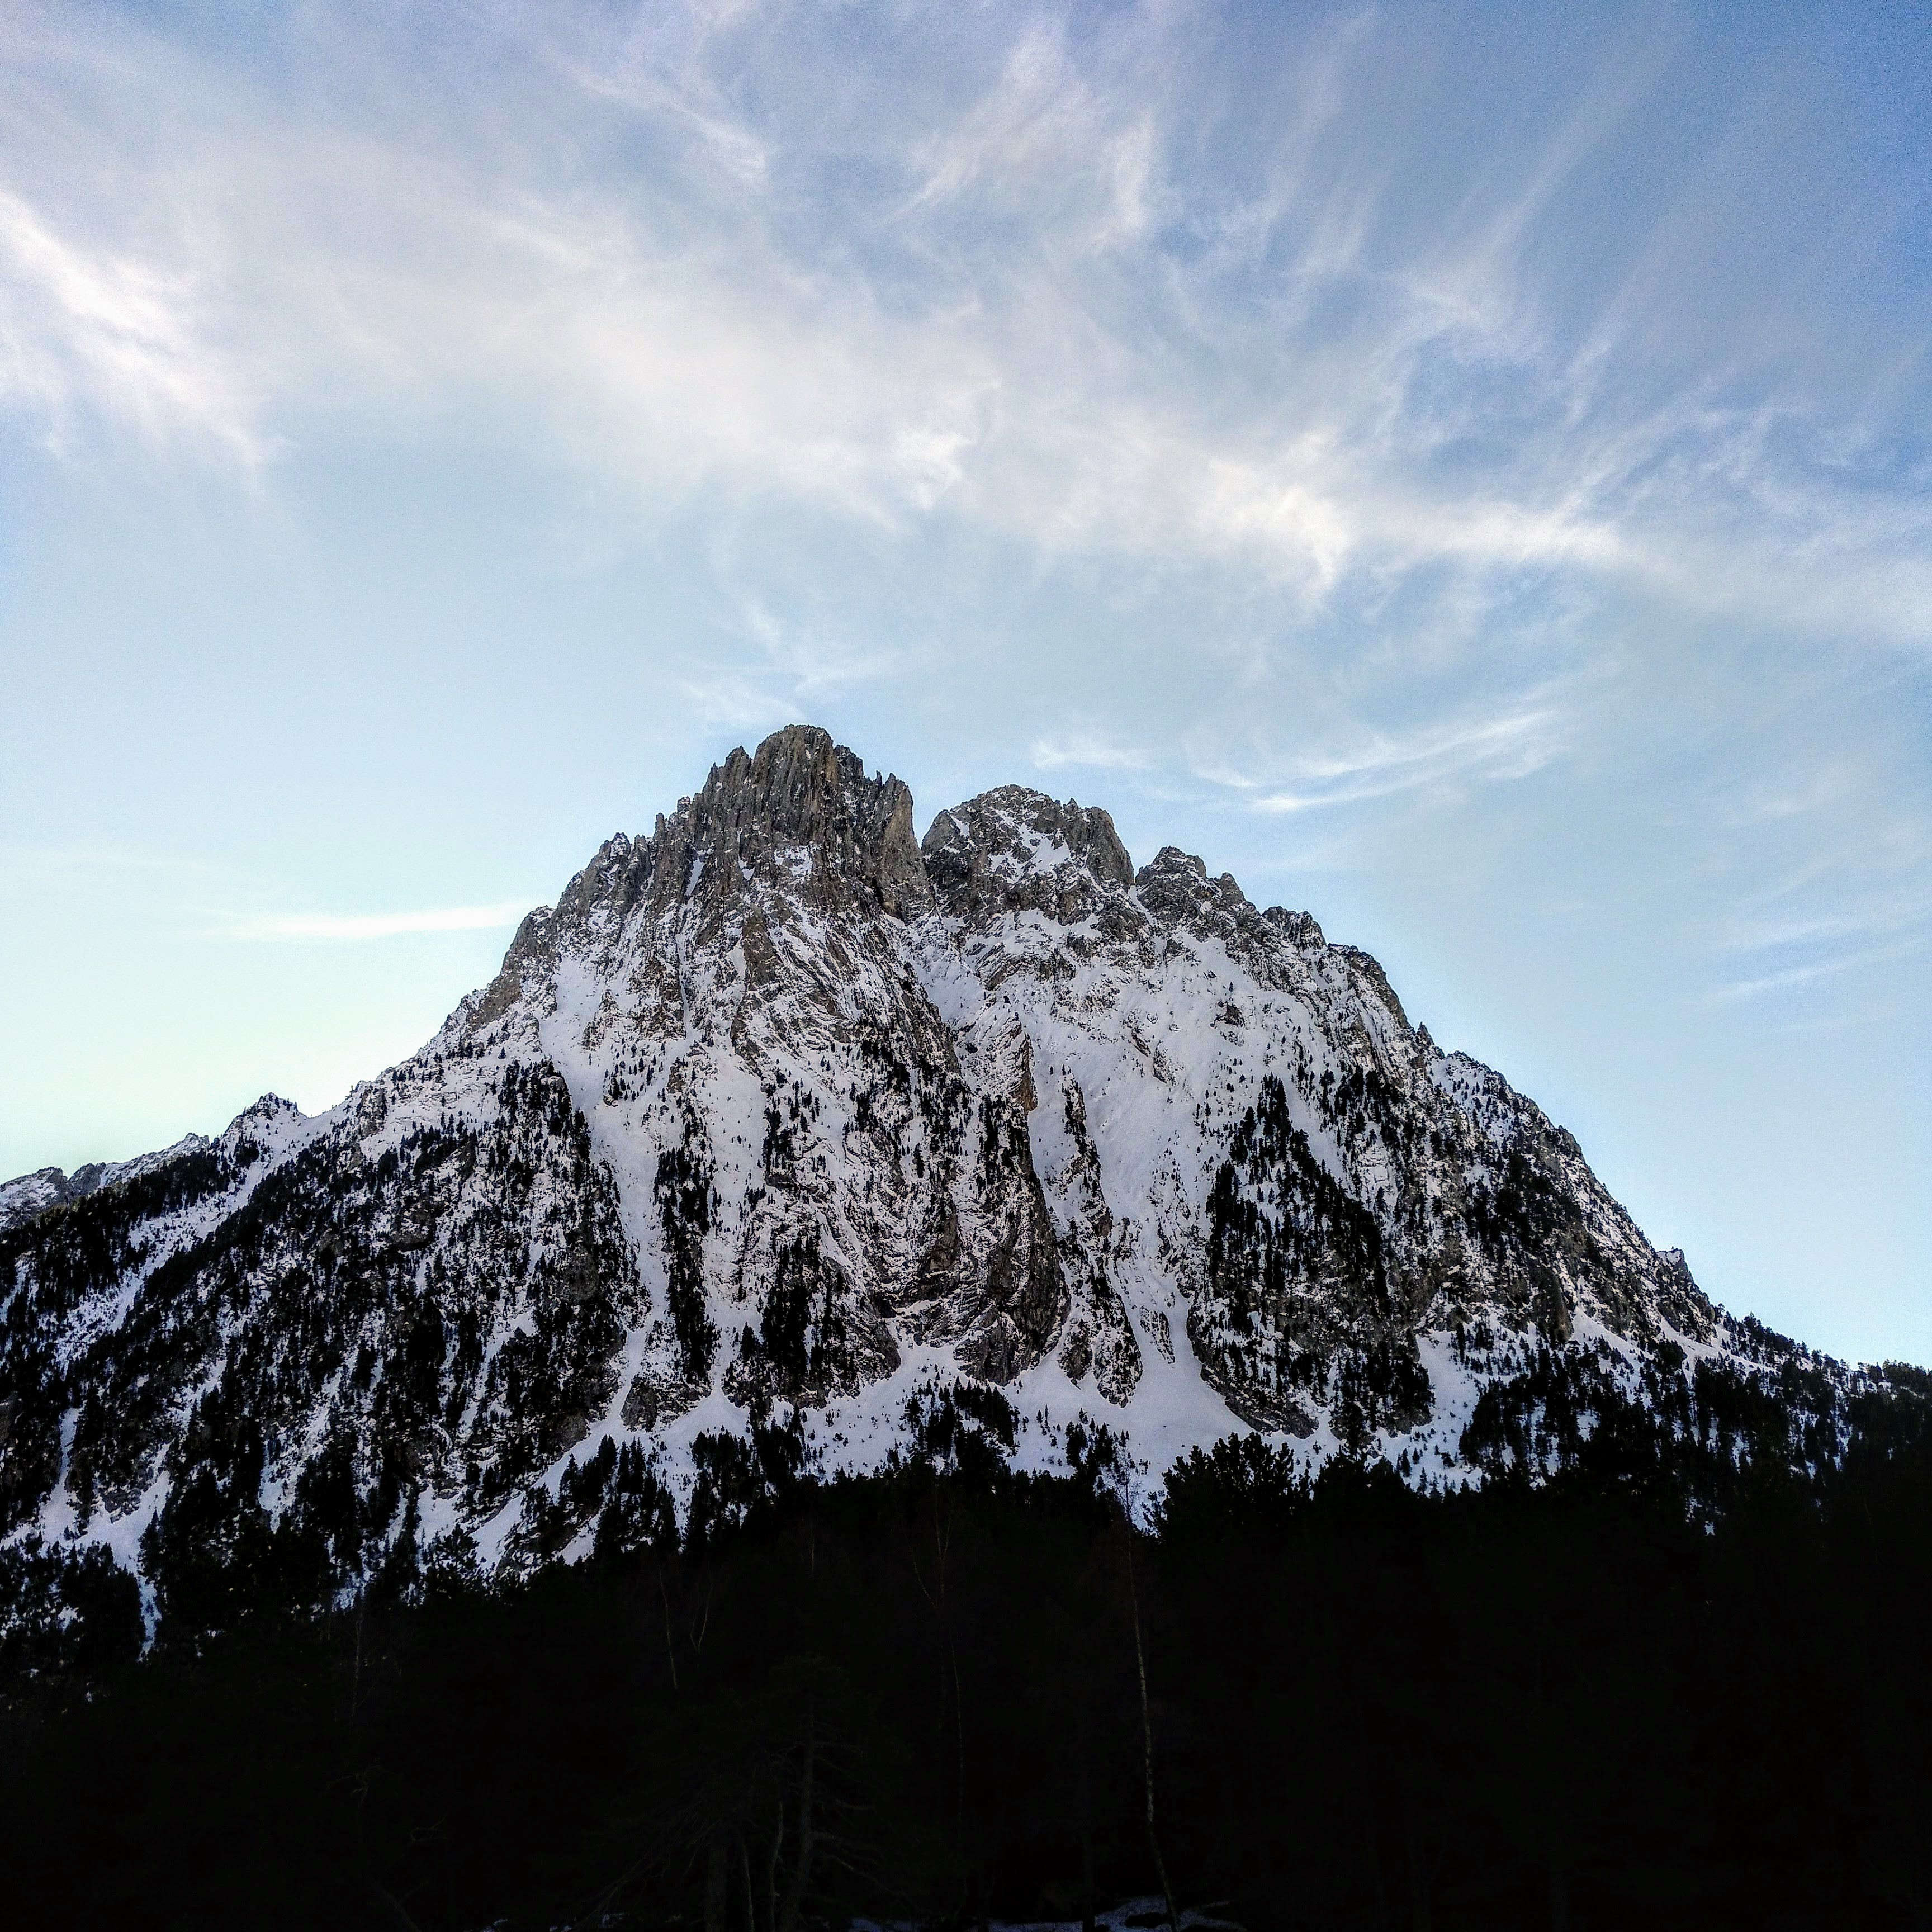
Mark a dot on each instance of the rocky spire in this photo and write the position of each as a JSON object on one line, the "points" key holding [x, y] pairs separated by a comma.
{"points": [[799, 804]]}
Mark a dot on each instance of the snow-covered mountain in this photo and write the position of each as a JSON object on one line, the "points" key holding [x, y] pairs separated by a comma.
{"points": [[782, 1106]]}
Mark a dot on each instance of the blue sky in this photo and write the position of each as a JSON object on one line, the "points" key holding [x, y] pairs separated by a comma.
{"points": [[1466, 470]]}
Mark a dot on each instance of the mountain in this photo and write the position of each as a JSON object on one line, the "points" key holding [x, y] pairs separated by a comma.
{"points": [[784, 1111]]}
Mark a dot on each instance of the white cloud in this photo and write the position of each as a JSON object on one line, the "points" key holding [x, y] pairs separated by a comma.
{"points": [[1790, 976], [1091, 750], [377, 925], [1049, 281], [123, 332], [983, 309], [1768, 934], [1510, 746]]}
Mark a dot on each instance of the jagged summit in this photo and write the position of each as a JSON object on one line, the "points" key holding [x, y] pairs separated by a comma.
{"points": [[800, 809], [779, 1105], [1017, 850]]}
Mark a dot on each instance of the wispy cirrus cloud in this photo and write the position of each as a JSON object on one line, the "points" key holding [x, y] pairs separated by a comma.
{"points": [[376, 925], [82, 324], [1780, 932], [1092, 751], [1787, 978], [1510, 746], [1052, 284]]}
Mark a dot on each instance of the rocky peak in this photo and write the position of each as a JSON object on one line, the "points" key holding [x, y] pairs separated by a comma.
{"points": [[1174, 887], [1123, 1139], [1017, 850], [29, 1194], [1298, 928], [799, 808]]}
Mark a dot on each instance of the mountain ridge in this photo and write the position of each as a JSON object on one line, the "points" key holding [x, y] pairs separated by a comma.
{"points": [[780, 1106]]}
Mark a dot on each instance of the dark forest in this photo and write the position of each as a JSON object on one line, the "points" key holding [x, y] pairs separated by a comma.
{"points": [[1686, 1680]]}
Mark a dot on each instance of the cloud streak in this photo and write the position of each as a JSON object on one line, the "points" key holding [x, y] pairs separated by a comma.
{"points": [[1789, 977], [1013, 294], [1510, 746], [1088, 750], [347, 926], [81, 324]]}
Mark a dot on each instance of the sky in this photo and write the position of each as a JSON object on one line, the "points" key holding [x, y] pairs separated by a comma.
{"points": [[1466, 470]]}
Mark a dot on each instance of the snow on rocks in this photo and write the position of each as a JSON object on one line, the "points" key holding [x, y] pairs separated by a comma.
{"points": [[778, 1106]]}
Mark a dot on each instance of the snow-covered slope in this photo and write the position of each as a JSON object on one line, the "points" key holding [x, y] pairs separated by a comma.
{"points": [[780, 1106]]}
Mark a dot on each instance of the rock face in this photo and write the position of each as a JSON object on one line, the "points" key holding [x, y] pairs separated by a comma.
{"points": [[781, 1105]]}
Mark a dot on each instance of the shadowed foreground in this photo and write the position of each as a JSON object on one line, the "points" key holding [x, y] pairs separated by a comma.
{"points": [[1664, 1689]]}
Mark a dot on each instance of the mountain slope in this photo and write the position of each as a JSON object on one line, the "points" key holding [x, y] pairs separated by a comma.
{"points": [[782, 1106]]}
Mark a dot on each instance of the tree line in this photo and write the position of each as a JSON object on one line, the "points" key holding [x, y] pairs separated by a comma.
{"points": [[948, 1694]]}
